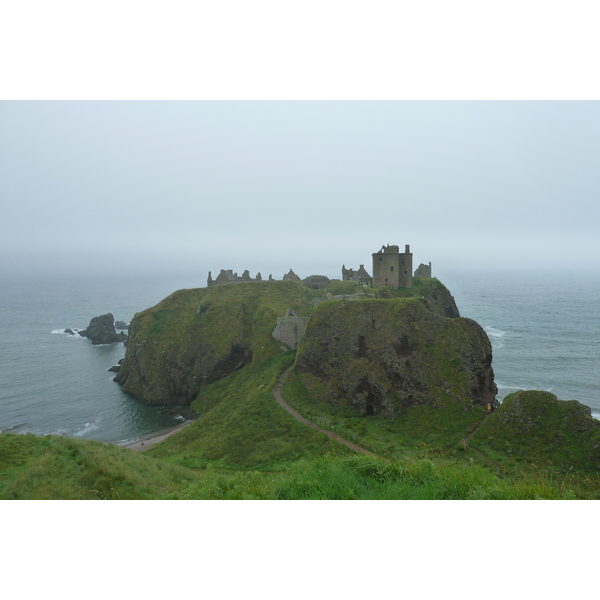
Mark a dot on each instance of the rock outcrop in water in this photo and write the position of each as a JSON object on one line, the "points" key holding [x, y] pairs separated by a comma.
{"points": [[383, 356], [101, 330]]}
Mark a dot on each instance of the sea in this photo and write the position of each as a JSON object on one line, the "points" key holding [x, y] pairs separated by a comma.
{"points": [[545, 335]]}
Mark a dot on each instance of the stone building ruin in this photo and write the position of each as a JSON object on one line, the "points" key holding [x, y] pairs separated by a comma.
{"points": [[290, 329], [391, 268], [228, 276], [361, 276], [423, 271]]}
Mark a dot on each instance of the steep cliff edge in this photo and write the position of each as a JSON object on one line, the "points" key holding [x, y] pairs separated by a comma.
{"points": [[430, 288], [195, 337], [382, 356]]}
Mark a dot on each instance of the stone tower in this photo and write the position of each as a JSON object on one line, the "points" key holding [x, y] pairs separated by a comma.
{"points": [[392, 268]]}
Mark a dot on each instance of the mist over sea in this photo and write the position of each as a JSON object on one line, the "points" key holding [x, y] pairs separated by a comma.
{"points": [[545, 335]]}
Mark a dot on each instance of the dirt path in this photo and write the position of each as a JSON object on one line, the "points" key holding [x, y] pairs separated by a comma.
{"points": [[465, 444], [148, 442], [299, 417]]}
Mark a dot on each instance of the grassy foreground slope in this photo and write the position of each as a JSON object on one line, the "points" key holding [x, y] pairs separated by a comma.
{"points": [[55, 467], [241, 425]]}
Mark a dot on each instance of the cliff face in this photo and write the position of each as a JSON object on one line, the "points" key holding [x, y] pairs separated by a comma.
{"points": [[195, 337], [433, 290], [381, 356], [536, 426]]}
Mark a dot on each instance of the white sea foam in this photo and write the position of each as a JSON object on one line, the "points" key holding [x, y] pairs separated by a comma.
{"points": [[63, 332], [503, 386], [496, 335], [180, 417], [86, 429], [57, 432], [494, 332]]}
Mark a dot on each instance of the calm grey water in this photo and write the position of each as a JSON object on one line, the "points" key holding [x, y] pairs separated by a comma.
{"points": [[545, 336], [51, 382]]}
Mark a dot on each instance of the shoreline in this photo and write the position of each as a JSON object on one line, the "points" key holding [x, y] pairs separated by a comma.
{"points": [[149, 441]]}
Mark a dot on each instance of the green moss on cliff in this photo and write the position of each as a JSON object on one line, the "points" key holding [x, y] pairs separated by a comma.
{"points": [[194, 337], [536, 427], [433, 290], [383, 356]]}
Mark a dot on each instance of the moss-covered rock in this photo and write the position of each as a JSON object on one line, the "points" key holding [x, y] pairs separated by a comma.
{"points": [[195, 337], [383, 356], [428, 288], [536, 426]]}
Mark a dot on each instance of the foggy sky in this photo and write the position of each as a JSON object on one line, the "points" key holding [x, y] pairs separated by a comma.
{"points": [[188, 187]]}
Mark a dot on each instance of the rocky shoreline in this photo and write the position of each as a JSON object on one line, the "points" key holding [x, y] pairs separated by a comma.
{"points": [[150, 440]]}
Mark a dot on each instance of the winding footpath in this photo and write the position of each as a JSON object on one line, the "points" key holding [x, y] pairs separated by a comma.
{"points": [[465, 444], [146, 443], [299, 417]]}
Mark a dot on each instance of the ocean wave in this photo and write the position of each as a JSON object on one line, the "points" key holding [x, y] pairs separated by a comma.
{"points": [[57, 432], [596, 415], [496, 336], [494, 332], [63, 332], [86, 429], [503, 386], [13, 428]]}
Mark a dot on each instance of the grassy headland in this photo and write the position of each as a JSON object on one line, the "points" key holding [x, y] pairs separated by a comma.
{"points": [[212, 349]]}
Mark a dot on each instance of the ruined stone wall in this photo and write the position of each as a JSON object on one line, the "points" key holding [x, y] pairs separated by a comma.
{"points": [[391, 268], [386, 269], [423, 270], [405, 267], [290, 329]]}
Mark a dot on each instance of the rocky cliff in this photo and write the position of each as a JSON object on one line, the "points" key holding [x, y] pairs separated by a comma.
{"points": [[535, 426], [101, 330], [195, 337], [382, 356]]}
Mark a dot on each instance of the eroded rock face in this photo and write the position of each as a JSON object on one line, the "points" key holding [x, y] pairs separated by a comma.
{"points": [[101, 330], [382, 356], [196, 337]]}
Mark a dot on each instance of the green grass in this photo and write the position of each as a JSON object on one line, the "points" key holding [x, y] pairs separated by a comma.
{"points": [[242, 427], [55, 467], [359, 477], [536, 428], [420, 431]]}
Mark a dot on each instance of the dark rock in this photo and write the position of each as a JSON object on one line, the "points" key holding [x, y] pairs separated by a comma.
{"points": [[69, 331], [121, 325], [383, 356], [101, 330], [114, 369]]}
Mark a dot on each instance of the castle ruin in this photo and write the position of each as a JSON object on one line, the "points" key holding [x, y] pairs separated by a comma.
{"points": [[361, 276], [392, 269]]}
